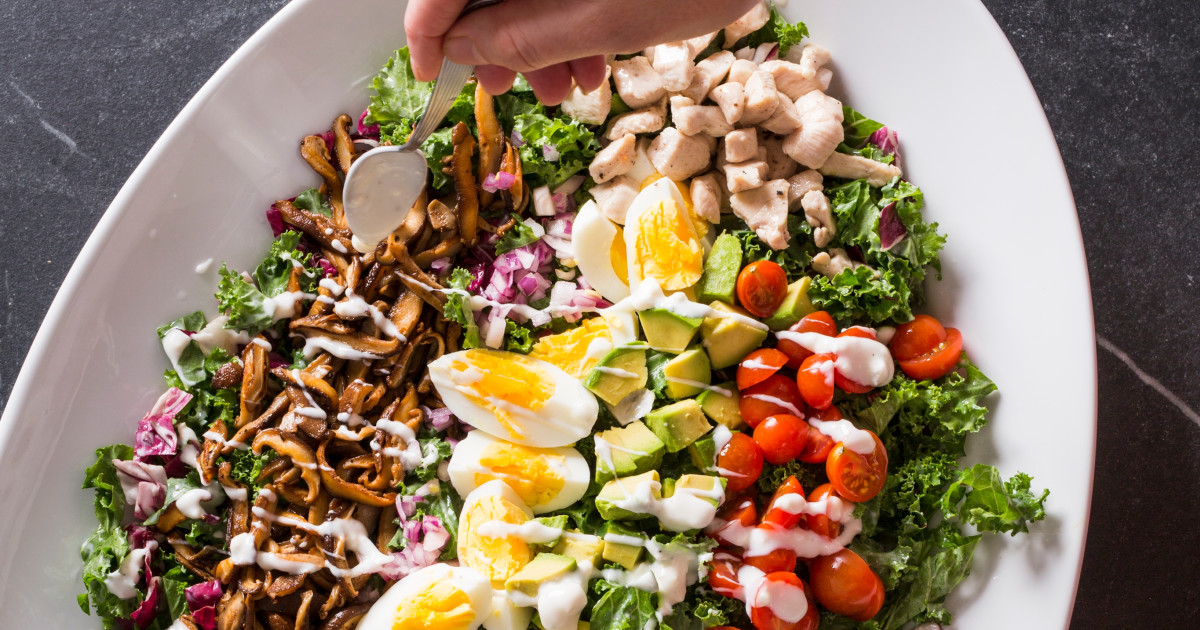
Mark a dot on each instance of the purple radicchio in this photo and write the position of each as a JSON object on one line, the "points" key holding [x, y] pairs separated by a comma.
{"points": [[202, 602], [275, 219], [156, 431], [888, 141], [891, 228], [370, 131], [144, 486]]}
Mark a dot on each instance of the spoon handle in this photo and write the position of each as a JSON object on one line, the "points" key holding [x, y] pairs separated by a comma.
{"points": [[451, 79]]}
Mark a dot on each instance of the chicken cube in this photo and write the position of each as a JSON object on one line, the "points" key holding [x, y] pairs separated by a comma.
{"points": [[803, 183], [819, 216], [707, 74], [812, 58], [820, 130], [591, 108], [745, 176], [765, 210], [741, 145], [751, 21], [692, 119], [731, 98], [762, 99], [678, 156], [673, 62], [613, 160], [613, 197], [699, 43], [740, 70], [638, 83], [706, 197], [858, 167], [645, 120], [790, 79], [779, 165], [785, 120]]}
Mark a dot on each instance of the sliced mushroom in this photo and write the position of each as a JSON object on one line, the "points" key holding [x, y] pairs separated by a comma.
{"points": [[491, 139], [346, 618], [300, 454], [316, 153], [464, 183], [441, 216], [319, 228], [254, 382], [341, 488], [517, 195], [343, 146]]}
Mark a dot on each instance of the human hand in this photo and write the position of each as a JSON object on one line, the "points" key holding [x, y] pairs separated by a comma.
{"points": [[552, 42]]}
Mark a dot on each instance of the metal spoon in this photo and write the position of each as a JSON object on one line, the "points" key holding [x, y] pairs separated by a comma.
{"points": [[384, 182]]}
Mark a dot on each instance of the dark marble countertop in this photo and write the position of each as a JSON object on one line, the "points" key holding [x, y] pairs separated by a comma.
{"points": [[86, 88]]}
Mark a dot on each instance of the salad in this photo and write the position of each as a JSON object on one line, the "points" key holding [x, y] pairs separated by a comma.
{"points": [[648, 359]]}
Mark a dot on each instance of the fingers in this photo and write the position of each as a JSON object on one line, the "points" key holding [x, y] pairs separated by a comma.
{"points": [[589, 72], [494, 79], [526, 35], [551, 84], [425, 25]]}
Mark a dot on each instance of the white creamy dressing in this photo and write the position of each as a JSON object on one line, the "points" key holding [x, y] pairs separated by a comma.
{"points": [[123, 581], [219, 439], [312, 410], [775, 400], [617, 372], [243, 550], [531, 532], [760, 541], [604, 450], [262, 343], [189, 502], [354, 306], [699, 385], [864, 361], [755, 364], [784, 600], [844, 431], [598, 348], [687, 508], [331, 285], [411, 455], [188, 451], [313, 345], [174, 342], [633, 407], [649, 294], [204, 266]]}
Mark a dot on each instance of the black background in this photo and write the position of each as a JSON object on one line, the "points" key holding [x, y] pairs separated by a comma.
{"points": [[1120, 82]]}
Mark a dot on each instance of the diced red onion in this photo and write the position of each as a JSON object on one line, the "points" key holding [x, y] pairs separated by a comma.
{"points": [[498, 181], [493, 336], [325, 265], [440, 419], [550, 152], [328, 138], [440, 265], [516, 139], [891, 228], [570, 186], [543, 202], [765, 52]]}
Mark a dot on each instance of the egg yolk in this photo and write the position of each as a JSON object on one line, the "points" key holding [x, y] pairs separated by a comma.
{"points": [[666, 247], [570, 351], [442, 606], [500, 381], [496, 558], [533, 473], [617, 256]]}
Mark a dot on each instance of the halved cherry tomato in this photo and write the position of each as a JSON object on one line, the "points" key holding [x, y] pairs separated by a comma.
{"points": [[817, 448], [781, 437], [843, 383], [827, 414], [917, 337], [723, 576], [938, 362], [856, 476], [818, 322], [845, 584], [777, 560], [734, 513], [758, 366], [858, 331], [777, 394], [783, 588], [777, 514], [820, 523], [761, 287], [741, 462], [815, 379]]}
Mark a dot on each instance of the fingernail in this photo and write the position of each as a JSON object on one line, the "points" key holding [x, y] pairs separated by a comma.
{"points": [[462, 50]]}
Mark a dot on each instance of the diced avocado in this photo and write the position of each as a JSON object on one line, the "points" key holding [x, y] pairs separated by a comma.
{"points": [[703, 452], [705, 485], [794, 307], [721, 270], [545, 567], [667, 331], [554, 522], [620, 490], [678, 424], [623, 553], [632, 450], [690, 366], [586, 549], [722, 404], [729, 339], [620, 373]]}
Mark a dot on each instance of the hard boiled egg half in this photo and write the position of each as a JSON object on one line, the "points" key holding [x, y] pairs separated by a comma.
{"points": [[600, 252], [488, 537], [515, 397], [662, 239], [546, 479], [438, 597]]}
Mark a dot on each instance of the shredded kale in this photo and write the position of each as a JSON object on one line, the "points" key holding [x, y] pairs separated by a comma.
{"points": [[272, 274], [246, 468], [458, 309], [313, 201], [107, 546], [207, 404], [777, 29], [544, 135], [622, 607], [519, 235], [396, 95]]}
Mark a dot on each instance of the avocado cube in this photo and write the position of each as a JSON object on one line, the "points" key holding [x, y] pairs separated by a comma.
{"points": [[794, 307], [667, 331], [614, 501], [687, 373], [723, 405], [619, 545], [703, 452], [729, 338], [630, 450], [678, 424], [721, 270], [558, 522], [708, 487], [584, 548], [620, 373], [545, 567]]}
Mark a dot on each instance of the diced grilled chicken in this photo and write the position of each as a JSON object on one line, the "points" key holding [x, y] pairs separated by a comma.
{"points": [[779, 165], [673, 62], [699, 43], [745, 176], [803, 183], [820, 130], [741, 145], [706, 197], [751, 21], [678, 156], [790, 80], [692, 119], [785, 120], [638, 83], [833, 262], [741, 70], [613, 160], [812, 59], [858, 167], [731, 98], [762, 98], [764, 209], [613, 197], [645, 120], [818, 214], [590, 107], [709, 72]]}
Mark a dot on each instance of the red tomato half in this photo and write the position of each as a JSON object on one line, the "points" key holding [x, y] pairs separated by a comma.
{"points": [[821, 523], [937, 362], [856, 476], [844, 584], [781, 437], [818, 447], [777, 394], [841, 381], [758, 366], [761, 287], [784, 588], [776, 515], [723, 576], [917, 337], [741, 462], [815, 379], [818, 322], [737, 511], [778, 560]]}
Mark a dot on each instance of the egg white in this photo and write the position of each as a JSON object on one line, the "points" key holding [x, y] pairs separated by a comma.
{"points": [[643, 168], [507, 616], [401, 594], [566, 417], [592, 237], [650, 198], [574, 471]]}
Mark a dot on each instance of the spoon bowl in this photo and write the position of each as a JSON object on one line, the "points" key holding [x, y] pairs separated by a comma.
{"points": [[386, 183]]}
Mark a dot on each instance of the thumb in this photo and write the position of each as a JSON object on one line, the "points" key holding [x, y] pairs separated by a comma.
{"points": [[525, 35]]}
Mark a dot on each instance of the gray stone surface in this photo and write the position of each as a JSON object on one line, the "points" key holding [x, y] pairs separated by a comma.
{"points": [[86, 88]]}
